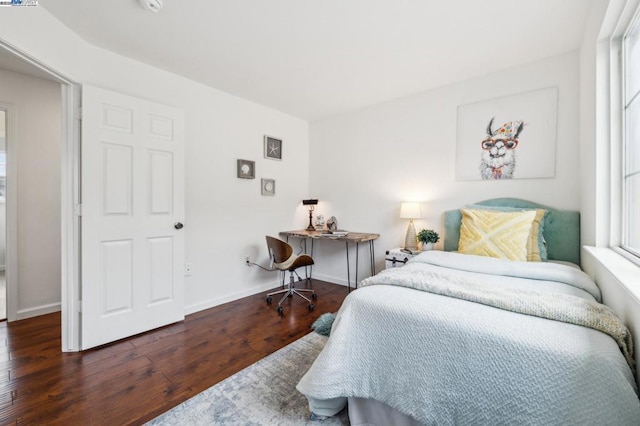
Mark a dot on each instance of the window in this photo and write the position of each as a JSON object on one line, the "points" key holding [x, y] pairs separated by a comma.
{"points": [[631, 148]]}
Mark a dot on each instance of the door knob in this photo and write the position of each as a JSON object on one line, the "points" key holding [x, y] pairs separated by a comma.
{"points": [[178, 225]]}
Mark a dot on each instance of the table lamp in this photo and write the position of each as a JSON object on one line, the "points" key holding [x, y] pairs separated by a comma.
{"points": [[410, 211], [312, 204]]}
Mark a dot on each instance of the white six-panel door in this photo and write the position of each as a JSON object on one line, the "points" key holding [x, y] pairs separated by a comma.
{"points": [[132, 161]]}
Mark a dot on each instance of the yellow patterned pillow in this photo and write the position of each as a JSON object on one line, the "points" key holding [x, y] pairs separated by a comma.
{"points": [[533, 247], [535, 239], [496, 234]]}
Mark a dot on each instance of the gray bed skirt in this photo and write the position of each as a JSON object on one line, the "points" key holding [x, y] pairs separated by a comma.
{"points": [[368, 412], [362, 412]]}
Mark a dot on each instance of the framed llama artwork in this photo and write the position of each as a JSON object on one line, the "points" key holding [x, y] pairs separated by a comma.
{"points": [[513, 137]]}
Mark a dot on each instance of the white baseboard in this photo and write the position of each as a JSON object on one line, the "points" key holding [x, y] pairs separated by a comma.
{"points": [[38, 310], [192, 309], [333, 280], [201, 306]]}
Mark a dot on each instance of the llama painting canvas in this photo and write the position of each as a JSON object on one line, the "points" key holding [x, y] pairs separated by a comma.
{"points": [[512, 137], [499, 150]]}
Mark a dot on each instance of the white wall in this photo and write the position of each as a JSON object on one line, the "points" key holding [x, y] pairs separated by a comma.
{"points": [[38, 142], [595, 147], [588, 205], [226, 218], [365, 163]]}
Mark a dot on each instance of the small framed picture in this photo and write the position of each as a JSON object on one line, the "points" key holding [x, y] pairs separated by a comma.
{"points": [[272, 148], [246, 169], [268, 186]]}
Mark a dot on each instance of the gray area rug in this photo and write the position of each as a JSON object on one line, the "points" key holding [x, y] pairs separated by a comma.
{"points": [[262, 394]]}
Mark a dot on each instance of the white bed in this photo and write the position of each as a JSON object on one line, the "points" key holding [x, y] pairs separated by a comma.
{"points": [[459, 339]]}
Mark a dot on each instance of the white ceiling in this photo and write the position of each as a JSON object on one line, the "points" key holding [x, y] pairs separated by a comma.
{"points": [[317, 58]]}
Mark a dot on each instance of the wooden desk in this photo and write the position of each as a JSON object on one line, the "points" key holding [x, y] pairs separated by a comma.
{"points": [[353, 238]]}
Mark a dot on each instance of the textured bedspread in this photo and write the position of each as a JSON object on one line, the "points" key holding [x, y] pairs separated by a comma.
{"points": [[444, 360]]}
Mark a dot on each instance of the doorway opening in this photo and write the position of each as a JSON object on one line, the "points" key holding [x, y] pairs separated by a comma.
{"points": [[3, 214], [18, 62]]}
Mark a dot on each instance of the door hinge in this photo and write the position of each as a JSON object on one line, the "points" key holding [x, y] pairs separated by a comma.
{"points": [[77, 209], [79, 113]]}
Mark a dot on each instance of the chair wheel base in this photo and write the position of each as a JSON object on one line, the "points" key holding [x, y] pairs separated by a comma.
{"points": [[280, 310], [314, 296], [269, 299], [311, 307]]}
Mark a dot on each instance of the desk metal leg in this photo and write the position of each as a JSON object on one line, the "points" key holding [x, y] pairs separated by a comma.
{"points": [[306, 268], [372, 257], [357, 259], [346, 246], [305, 249], [283, 272]]}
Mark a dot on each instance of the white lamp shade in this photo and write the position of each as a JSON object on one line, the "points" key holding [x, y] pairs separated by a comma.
{"points": [[410, 210]]}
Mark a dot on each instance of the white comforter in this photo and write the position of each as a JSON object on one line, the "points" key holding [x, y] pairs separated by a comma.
{"points": [[443, 360]]}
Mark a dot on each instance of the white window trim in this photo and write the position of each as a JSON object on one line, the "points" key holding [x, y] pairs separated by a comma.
{"points": [[628, 16], [617, 140], [627, 255]]}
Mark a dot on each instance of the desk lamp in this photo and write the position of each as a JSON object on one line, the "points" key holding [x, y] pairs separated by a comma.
{"points": [[410, 211], [312, 204]]}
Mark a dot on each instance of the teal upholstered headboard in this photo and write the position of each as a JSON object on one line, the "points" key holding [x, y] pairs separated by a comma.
{"points": [[561, 228]]}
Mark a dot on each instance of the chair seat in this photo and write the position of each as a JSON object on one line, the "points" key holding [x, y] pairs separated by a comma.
{"points": [[295, 262]]}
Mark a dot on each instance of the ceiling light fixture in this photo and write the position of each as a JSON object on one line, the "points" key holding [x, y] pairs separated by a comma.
{"points": [[152, 5]]}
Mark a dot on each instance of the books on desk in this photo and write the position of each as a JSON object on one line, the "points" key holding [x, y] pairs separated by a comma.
{"points": [[334, 234]]}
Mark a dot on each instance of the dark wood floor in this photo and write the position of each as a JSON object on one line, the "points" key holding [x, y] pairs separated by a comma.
{"points": [[136, 379]]}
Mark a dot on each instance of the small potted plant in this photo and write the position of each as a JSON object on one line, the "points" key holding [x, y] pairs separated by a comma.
{"points": [[428, 237]]}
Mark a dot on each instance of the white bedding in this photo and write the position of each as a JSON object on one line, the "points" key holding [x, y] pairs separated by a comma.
{"points": [[443, 360]]}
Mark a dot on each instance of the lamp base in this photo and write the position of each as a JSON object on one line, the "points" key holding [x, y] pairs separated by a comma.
{"points": [[310, 227], [410, 240]]}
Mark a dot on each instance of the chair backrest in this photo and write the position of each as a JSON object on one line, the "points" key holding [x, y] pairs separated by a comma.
{"points": [[280, 250]]}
